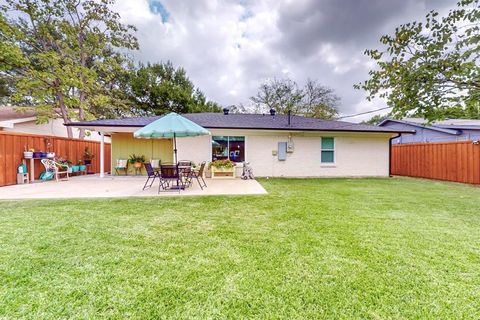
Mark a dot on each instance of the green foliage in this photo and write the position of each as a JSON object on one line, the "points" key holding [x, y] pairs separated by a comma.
{"points": [[87, 154], [430, 68], [160, 88], [314, 100], [136, 159], [62, 54], [227, 164], [375, 120]]}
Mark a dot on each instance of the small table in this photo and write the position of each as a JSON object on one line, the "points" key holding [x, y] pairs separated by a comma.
{"points": [[32, 167]]}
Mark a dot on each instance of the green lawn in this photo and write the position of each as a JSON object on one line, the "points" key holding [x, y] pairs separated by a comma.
{"points": [[329, 248]]}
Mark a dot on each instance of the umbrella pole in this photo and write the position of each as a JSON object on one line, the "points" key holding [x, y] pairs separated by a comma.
{"points": [[175, 148]]}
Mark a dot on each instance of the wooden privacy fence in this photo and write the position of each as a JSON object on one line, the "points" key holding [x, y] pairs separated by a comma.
{"points": [[12, 146], [453, 161]]}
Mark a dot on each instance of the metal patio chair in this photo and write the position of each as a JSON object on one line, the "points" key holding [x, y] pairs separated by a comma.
{"points": [[198, 175], [184, 163], [169, 173], [122, 164], [155, 163], [54, 167], [151, 174]]}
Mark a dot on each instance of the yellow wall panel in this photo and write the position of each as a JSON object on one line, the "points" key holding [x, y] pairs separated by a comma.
{"points": [[124, 145]]}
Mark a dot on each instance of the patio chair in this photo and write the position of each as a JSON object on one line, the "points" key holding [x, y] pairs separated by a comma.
{"points": [[52, 166], [122, 164], [168, 174], [198, 174], [184, 163], [151, 174], [155, 163]]}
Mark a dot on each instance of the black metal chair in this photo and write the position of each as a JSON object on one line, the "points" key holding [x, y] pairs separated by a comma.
{"points": [[198, 174], [184, 163], [169, 173], [151, 174]]}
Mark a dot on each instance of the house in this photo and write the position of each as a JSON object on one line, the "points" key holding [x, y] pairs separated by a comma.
{"points": [[274, 145], [25, 121], [445, 130]]}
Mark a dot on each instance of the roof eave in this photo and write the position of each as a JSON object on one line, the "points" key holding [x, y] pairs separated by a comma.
{"points": [[73, 124], [435, 128]]}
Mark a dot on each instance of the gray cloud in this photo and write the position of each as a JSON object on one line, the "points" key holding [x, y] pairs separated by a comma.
{"points": [[229, 47]]}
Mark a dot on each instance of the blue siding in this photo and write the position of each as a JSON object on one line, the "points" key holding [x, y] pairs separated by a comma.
{"points": [[429, 135]]}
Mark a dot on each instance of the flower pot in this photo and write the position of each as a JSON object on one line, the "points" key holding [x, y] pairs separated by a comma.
{"points": [[27, 154], [50, 155], [87, 161], [69, 170], [43, 154], [75, 168], [82, 167], [37, 154], [137, 165]]}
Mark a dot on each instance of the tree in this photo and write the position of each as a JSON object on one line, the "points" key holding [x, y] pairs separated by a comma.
{"points": [[61, 53], [5, 90], [279, 94], [430, 68], [319, 101], [376, 120], [283, 95], [160, 88]]}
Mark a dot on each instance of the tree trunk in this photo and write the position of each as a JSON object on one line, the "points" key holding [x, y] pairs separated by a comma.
{"points": [[63, 111], [81, 115]]}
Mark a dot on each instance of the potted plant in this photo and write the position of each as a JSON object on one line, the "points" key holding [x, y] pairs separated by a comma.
{"points": [[28, 153], [222, 168], [81, 166], [87, 156], [137, 161], [75, 167], [64, 163]]}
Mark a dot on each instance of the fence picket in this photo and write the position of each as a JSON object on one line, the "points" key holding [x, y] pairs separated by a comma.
{"points": [[12, 145], [457, 161]]}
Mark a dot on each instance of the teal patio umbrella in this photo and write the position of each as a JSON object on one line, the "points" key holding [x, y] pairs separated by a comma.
{"points": [[171, 126]]}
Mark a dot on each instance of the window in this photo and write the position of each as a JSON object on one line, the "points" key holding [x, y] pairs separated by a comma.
{"points": [[328, 150], [228, 147]]}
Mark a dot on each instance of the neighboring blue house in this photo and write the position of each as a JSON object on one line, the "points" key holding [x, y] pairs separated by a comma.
{"points": [[445, 130]]}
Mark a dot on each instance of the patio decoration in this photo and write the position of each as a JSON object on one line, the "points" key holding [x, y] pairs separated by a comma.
{"points": [[137, 161], [82, 166], [28, 153], [222, 169], [88, 156], [171, 126]]}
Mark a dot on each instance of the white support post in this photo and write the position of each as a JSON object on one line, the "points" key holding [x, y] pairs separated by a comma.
{"points": [[102, 155]]}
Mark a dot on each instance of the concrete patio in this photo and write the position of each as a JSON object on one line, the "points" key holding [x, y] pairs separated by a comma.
{"points": [[92, 186]]}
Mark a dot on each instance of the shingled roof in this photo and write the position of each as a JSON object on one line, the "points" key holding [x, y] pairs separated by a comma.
{"points": [[245, 121]]}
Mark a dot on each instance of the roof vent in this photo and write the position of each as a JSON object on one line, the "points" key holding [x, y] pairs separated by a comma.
{"points": [[226, 111], [272, 112]]}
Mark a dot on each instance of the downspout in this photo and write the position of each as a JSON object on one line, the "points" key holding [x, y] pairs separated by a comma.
{"points": [[390, 154]]}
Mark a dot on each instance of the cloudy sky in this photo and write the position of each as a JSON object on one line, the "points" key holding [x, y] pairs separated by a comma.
{"points": [[229, 47]]}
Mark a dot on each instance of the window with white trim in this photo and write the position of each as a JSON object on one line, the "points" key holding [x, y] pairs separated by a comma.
{"points": [[328, 150]]}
